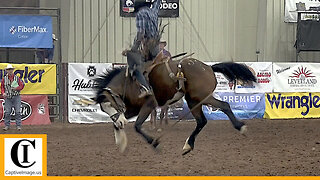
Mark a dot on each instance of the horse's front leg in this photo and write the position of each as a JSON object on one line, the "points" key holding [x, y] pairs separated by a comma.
{"points": [[146, 109]]}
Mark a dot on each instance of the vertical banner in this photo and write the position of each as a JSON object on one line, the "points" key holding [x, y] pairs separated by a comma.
{"points": [[81, 109], [37, 78], [296, 77], [244, 106], [263, 73], [223, 84], [34, 110], [25, 31], [81, 76], [292, 105]]}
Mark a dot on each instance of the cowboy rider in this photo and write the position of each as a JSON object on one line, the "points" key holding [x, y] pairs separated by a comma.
{"points": [[147, 29]]}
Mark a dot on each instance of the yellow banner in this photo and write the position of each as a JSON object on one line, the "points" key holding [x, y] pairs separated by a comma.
{"points": [[292, 105], [38, 78]]}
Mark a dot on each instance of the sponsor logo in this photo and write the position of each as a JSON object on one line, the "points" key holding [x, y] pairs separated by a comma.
{"points": [[41, 109], [13, 30], [79, 110], [83, 102], [26, 111], [24, 29], [302, 77], [91, 71], [27, 75], [293, 102], [24, 156], [129, 3], [278, 71], [264, 77], [241, 98], [81, 85], [128, 6], [168, 5]]}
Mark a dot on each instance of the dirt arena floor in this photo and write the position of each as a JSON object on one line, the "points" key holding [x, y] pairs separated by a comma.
{"points": [[272, 147]]}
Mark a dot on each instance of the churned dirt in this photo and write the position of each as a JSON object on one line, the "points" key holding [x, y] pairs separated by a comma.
{"points": [[271, 147]]}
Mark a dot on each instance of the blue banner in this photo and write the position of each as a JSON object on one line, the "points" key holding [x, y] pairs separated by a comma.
{"points": [[25, 31], [244, 106]]}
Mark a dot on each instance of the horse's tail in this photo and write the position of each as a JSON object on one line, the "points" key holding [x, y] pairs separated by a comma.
{"points": [[235, 71]]}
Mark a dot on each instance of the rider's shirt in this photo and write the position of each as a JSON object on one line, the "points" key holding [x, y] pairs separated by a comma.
{"points": [[147, 20]]}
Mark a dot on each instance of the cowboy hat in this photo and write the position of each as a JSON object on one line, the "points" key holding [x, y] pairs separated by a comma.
{"points": [[163, 41], [9, 66], [54, 37]]}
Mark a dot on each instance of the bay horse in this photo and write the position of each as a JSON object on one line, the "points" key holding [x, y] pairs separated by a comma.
{"points": [[117, 93]]}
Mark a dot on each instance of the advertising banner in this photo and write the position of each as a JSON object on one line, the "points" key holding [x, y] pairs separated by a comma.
{"points": [[168, 8], [263, 73], [81, 76], [244, 106], [291, 8], [25, 31], [223, 84], [34, 110], [83, 110], [37, 78], [292, 105], [296, 77]]}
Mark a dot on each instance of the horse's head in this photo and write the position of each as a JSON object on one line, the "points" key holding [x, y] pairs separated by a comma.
{"points": [[111, 103]]}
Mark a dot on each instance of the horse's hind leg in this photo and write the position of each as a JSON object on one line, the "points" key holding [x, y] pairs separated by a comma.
{"points": [[153, 119], [146, 109], [201, 122], [225, 107]]}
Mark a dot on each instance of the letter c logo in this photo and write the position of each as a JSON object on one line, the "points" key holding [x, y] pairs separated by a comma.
{"points": [[14, 153]]}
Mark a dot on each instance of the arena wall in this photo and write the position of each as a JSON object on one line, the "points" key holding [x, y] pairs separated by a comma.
{"points": [[216, 30]]}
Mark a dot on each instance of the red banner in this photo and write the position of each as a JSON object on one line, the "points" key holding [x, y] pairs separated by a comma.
{"points": [[34, 110]]}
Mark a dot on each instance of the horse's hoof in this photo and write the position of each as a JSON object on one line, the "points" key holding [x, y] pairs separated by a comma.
{"points": [[155, 143], [186, 151], [243, 130], [186, 148]]}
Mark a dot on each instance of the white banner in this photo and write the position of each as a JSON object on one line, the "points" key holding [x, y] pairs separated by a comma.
{"points": [[263, 73], [81, 76], [296, 77], [82, 111], [223, 84], [290, 8]]}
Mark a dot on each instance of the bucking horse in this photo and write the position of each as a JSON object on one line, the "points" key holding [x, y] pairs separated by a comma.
{"points": [[117, 93]]}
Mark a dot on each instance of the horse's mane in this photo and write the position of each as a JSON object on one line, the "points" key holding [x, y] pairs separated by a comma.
{"points": [[104, 79]]}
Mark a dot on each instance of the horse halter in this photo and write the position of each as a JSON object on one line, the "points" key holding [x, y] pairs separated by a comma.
{"points": [[115, 100]]}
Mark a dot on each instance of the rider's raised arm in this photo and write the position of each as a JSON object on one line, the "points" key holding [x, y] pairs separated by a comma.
{"points": [[156, 5]]}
